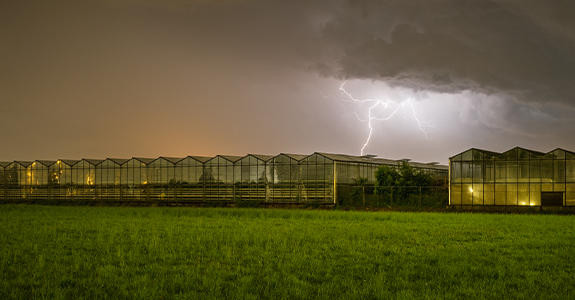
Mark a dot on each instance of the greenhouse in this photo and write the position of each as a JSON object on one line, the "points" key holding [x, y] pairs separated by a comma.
{"points": [[284, 178], [518, 177]]}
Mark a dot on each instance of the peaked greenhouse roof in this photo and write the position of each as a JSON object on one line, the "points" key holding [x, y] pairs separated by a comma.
{"points": [[173, 160], [94, 161], [297, 157], [513, 153], [201, 159], [24, 163], [142, 160], [379, 161], [46, 163], [262, 157], [232, 159]]}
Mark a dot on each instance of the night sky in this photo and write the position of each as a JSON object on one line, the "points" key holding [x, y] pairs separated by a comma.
{"points": [[125, 78]]}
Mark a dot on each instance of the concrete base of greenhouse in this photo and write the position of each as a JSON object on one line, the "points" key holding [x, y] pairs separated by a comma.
{"points": [[512, 209], [246, 204]]}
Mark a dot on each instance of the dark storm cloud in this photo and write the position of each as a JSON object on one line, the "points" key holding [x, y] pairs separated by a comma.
{"points": [[523, 50], [121, 78]]}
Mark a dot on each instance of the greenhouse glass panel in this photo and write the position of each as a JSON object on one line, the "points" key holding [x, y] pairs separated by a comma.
{"points": [[549, 156], [315, 187], [559, 187], [523, 171], [455, 194], [477, 171], [65, 176], [325, 179], [11, 183], [500, 194], [535, 194], [523, 154], [547, 187], [547, 171], [251, 179], [65, 189], [456, 158], [286, 179], [535, 171], [559, 170], [371, 173], [511, 171], [38, 181], [489, 172], [191, 170], [477, 155], [212, 178], [466, 194], [134, 180], [343, 172], [523, 194], [510, 155], [108, 175], [533, 156], [570, 170], [477, 194], [39, 173], [351, 174], [466, 171], [467, 155], [83, 176], [500, 171], [570, 194], [511, 194], [321, 184], [489, 194], [219, 173], [559, 154], [157, 176], [161, 180]]}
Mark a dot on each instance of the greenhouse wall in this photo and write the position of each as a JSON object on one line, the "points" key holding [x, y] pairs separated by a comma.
{"points": [[518, 177], [284, 178]]}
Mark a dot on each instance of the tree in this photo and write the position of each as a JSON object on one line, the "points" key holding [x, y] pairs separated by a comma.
{"points": [[362, 182], [401, 180]]}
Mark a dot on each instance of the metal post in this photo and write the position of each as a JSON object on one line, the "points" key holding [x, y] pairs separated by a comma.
{"points": [[419, 196], [334, 183]]}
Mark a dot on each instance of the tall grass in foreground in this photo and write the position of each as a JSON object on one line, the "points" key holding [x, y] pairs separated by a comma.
{"points": [[202, 253]]}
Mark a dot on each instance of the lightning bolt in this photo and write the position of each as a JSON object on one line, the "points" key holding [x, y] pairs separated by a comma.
{"points": [[377, 111]]}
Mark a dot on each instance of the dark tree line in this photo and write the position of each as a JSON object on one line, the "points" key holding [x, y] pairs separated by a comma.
{"points": [[401, 181]]}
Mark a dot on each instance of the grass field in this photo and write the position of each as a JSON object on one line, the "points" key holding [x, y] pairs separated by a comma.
{"points": [[225, 253]]}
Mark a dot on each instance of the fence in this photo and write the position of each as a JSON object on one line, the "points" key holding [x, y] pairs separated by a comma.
{"points": [[413, 196]]}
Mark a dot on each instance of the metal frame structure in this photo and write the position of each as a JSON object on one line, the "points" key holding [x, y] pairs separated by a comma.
{"points": [[517, 177], [284, 178]]}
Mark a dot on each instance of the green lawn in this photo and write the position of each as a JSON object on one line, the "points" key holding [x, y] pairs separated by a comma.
{"points": [[228, 253]]}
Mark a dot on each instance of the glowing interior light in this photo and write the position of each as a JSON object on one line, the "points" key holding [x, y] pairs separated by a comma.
{"points": [[471, 190]]}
